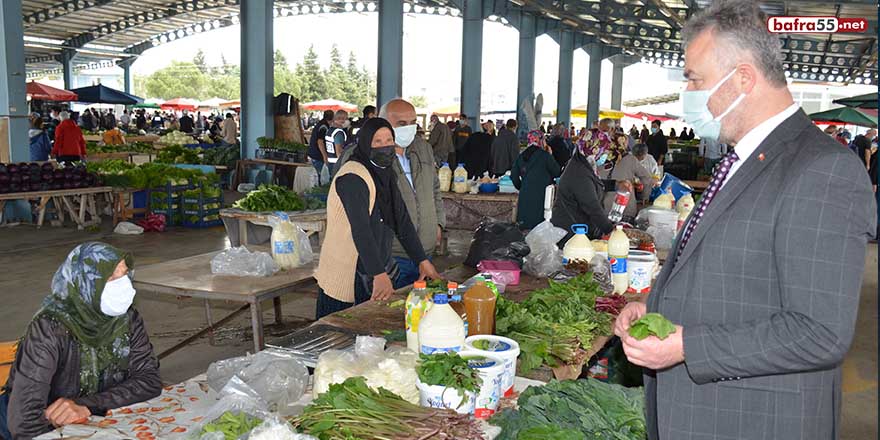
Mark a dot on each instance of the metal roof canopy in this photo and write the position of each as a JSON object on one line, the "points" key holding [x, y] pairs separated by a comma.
{"points": [[104, 32]]}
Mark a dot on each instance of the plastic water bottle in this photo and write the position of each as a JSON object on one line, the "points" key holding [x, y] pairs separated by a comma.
{"points": [[445, 177], [460, 180], [621, 199], [441, 330], [618, 252]]}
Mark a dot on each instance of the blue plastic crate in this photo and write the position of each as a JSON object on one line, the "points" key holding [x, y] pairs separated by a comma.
{"points": [[202, 224], [139, 199]]}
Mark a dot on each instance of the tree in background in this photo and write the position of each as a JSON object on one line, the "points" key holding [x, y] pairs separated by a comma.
{"points": [[307, 81], [418, 101]]}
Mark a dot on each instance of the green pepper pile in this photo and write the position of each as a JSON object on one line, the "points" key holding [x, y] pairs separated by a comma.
{"points": [[232, 425]]}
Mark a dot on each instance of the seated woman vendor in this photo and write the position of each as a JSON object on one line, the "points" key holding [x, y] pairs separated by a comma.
{"points": [[580, 194], [85, 351], [364, 211]]}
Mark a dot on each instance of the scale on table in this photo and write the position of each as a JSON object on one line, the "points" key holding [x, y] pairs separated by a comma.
{"points": [[308, 343]]}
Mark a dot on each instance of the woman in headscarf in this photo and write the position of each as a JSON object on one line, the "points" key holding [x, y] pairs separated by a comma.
{"points": [[532, 171], [580, 191], [364, 212], [85, 351]]}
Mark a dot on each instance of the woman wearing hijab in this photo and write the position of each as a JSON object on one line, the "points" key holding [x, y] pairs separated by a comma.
{"points": [[85, 351], [364, 212], [532, 171], [580, 191]]}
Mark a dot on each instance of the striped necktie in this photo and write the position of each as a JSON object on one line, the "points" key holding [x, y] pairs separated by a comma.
{"points": [[718, 177]]}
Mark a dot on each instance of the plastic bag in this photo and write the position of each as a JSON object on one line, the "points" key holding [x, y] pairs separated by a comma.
{"points": [[290, 244], [545, 257], [662, 224], [679, 188], [235, 405], [127, 228], [275, 378], [241, 262], [276, 429], [602, 273], [494, 240]]}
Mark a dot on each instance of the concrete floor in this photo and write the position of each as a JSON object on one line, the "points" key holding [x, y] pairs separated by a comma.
{"points": [[29, 258]]}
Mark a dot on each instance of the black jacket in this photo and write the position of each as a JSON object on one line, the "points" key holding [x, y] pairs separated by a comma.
{"points": [[561, 150], [579, 200], [47, 367], [658, 146]]}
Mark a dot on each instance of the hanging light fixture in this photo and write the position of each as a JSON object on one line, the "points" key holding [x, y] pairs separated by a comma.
{"points": [[348, 7], [371, 7], [359, 7], [406, 8]]}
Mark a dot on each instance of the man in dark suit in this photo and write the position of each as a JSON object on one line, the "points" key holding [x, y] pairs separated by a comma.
{"points": [[763, 281], [657, 143]]}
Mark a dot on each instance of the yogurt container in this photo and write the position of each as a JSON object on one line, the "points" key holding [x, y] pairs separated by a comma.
{"points": [[491, 370], [439, 396], [497, 346]]}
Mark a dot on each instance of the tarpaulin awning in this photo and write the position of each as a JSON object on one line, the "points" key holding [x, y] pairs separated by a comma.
{"points": [[651, 117], [43, 92], [868, 100], [212, 103], [581, 112], [180, 104], [230, 104], [101, 94], [152, 105], [845, 115], [329, 104]]}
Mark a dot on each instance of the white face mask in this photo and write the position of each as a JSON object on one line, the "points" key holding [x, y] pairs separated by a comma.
{"points": [[405, 135], [696, 110], [117, 296]]}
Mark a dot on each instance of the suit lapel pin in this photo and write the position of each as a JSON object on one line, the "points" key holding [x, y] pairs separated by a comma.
{"points": [[761, 157]]}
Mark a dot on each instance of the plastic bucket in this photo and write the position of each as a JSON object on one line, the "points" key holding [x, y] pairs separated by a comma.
{"points": [[438, 396], [505, 348], [640, 268], [491, 369]]}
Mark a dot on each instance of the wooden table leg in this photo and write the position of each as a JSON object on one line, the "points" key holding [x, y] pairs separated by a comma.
{"points": [[257, 325], [41, 210], [209, 317], [2, 209], [279, 316]]}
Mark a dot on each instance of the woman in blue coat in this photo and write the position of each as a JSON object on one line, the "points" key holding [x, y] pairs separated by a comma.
{"points": [[40, 145], [533, 170]]}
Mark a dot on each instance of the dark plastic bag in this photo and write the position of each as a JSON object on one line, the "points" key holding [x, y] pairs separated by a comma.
{"points": [[494, 240]]}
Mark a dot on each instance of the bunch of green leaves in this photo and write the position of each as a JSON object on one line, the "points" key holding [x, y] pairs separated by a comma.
{"points": [[322, 190], [575, 409], [179, 154], [271, 198], [221, 155], [352, 410], [280, 144], [449, 370], [554, 325], [651, 324], [436, 286], [232, 425], [313, 203]]}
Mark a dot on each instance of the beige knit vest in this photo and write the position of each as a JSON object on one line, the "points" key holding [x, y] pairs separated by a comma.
{"points": [[338, 262]]}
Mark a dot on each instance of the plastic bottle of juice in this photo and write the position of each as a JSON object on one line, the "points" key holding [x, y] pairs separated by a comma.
{"points": [[579, 246], [479, 302], [441, 330], [418, 303], [445, 176], [457, 304], [618, 251], [460, 180]]}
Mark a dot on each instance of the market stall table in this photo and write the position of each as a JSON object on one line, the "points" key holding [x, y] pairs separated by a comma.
{"points": [[192, 277], [377, 317], [237, 220], [78, 203], [698, 185], [465, 211]]}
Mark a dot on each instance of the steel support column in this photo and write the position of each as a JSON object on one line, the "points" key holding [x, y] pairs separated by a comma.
{"points": [[126, 74], [66, 60], [13, 104], [525, 88], [472, 60], [617, 85], [597, 54], [257, 77], [390, 71], [566, 64]]}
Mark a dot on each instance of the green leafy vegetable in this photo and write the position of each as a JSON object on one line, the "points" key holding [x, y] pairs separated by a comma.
{"points": [[575, 409], [271, 198], [232, 425], [449, 370], [651, 324], [555, 325], [351, 410]]}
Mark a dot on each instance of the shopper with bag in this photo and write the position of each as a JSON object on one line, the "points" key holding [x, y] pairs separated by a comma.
{"points": [[365, 211]]}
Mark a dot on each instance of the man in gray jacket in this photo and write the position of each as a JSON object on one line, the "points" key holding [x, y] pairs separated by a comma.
{"points": [[763, 281], [505, 149], [418, 183], [440, 140]]}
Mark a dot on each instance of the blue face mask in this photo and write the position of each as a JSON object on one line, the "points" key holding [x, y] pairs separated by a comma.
{"points": [[654, 130], [696, 110]]}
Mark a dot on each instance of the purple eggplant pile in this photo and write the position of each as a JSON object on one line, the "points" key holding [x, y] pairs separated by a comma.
{"points": [[26, 177]]}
